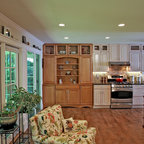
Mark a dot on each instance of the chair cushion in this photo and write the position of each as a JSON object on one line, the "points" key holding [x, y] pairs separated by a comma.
{"points": [[74, 125], [67, 124], [82, 137], [50, 122]]}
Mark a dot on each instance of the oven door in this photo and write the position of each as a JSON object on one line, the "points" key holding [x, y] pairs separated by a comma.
{"points": [[121, 94]]}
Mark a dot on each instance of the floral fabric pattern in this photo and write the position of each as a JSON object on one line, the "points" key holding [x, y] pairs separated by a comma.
{"points": [[47, 128], [74, 125], [67, 124]]}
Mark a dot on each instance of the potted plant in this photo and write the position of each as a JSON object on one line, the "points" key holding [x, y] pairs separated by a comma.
{"points": [[20, 100], [8, 115]]}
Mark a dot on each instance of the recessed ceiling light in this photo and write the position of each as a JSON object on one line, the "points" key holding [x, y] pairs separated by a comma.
{"points": [[66, 37], [107, 37], [61, 25], [121, 25]]}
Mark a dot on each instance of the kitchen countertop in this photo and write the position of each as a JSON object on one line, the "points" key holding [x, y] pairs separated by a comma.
{"points": [[110, 84], [101, 83]]}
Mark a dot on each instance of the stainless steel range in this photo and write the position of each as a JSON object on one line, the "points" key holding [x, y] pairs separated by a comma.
{"points": [[121, 93]]}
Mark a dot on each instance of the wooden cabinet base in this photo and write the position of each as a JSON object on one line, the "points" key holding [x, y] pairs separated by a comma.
{"points": [[77, 106], [101, 106], [48, 95]]}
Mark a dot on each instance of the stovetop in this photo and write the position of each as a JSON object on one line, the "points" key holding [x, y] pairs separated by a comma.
{"points": [[121, 85]]}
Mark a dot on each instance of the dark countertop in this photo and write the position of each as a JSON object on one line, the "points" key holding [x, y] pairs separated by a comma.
{"points": [[101, 83], [138, 84], [110, 84]]}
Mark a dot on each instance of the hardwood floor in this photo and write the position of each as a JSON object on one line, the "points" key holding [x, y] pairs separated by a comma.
{"points": [[114, 126]]}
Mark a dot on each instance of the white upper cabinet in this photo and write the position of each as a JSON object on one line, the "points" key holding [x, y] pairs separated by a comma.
{"points": [[142, 60], [124, 52], [135, 58], [100, 58], [96, 61], [114, 52], [119, 52], [104, 55]]}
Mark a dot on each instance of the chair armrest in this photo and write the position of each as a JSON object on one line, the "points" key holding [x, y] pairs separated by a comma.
{"points": [[79, 125]]}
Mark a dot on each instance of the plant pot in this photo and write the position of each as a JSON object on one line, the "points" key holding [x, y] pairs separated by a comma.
{"points": [[8, 122]]}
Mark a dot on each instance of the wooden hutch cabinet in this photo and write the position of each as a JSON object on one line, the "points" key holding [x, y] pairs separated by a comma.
{"points": [[67, 75]]}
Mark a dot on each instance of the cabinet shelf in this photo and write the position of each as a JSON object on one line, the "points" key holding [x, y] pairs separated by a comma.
{"points": [[67, 75], [67, 69], [67, 64]]}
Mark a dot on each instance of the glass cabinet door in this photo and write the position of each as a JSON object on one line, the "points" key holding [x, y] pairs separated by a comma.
{"points": [[49, 50], [85, 49], [73, 49], [61, 49]]}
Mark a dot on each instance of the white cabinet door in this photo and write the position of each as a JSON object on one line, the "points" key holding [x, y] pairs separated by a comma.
{"points": [[96, 61], [142, 62], [135, 60], [124, 52], [114, 52], [138, 101], [104, 56], [101, 95], [97, 97]]}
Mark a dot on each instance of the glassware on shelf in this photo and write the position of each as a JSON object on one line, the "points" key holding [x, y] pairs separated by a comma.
{"points": [[74, 82], [61, 50], [60, 66], [67, 62], [68, 73], [73, 49], [60, 81]]}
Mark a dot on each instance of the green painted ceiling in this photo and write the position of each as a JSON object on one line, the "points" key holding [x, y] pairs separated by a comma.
{"points": [[86, 20]]}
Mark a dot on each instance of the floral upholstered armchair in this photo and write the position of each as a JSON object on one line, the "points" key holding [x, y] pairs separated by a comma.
{"points": [[50, 127]]}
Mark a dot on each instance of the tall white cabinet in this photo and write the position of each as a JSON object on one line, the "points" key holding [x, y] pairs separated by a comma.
{"points": [[142, 59], [135, 58], [100, 58]]}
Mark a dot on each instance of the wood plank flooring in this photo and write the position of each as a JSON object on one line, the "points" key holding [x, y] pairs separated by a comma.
{"points": [[114, 126]]}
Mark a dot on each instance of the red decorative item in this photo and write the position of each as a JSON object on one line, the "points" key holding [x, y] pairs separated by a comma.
{"points": [[119, 80]]}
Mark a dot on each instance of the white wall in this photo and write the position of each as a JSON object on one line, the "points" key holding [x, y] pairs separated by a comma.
{"points": [[16, 41]]}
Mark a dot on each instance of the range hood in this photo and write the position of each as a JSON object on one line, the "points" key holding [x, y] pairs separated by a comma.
{"points": [[119, 63]]}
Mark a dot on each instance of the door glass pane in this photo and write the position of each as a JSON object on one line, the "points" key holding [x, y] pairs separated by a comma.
{"points": [[7, 92], [30, 89], [38, 74], [7, 59], [13, 75], [30, 81], [30, 59], [12, 88], [38, 87], [7, 76], [13, 59], [30, 71], [10, 73]]}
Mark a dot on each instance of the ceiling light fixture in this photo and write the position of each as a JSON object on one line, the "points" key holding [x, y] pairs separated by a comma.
{"points": [[107, 37], [66, 38], [61, 25], [121, 25]]}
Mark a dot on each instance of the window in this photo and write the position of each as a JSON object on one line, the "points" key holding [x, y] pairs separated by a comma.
{"points": [[11, 73], [33, 74], [38, 79], [30, 72]]}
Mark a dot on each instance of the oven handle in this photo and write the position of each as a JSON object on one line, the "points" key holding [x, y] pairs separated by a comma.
{"points": [[121, 90]]}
